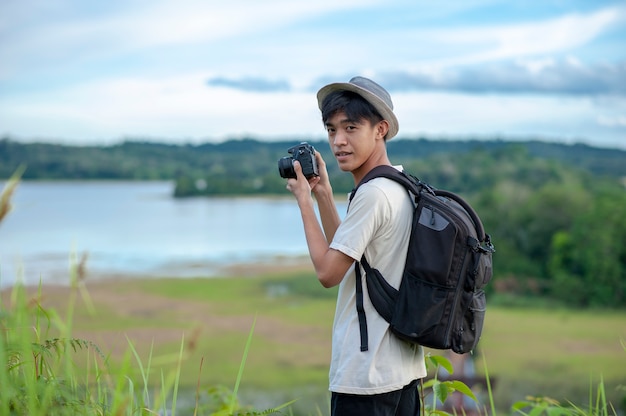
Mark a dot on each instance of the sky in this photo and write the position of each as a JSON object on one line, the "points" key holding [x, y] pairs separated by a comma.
{"points": [[192, 71]]}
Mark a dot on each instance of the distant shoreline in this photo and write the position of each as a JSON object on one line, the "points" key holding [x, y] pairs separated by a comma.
{"points": [[183, 270]]}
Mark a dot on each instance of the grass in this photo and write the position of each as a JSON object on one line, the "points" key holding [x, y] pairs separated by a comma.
{"points": [[554, 352], [561, 338], [48, 371], [531, 351], [291, 346], [297, 298]]}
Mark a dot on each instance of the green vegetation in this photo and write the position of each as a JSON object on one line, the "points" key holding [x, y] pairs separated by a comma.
{"points": [[522, 344], [252, 163], [63, 360], [554, 212], [250, 167], [40, 373], [554, 329]]}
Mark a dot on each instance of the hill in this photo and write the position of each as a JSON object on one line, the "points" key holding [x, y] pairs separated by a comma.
{"points": [[554, 211], [235, 161]]}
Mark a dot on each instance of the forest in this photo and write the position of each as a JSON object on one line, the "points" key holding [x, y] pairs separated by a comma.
{"points": [[555, 212]]}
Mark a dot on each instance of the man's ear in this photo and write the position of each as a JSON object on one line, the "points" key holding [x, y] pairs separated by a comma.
{"points": [[382, 128]]}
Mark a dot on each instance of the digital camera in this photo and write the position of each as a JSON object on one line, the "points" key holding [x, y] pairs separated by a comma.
{"points": [[303, 153]]}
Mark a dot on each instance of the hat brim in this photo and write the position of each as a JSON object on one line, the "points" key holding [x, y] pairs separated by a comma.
{"points": [[380, 106]]}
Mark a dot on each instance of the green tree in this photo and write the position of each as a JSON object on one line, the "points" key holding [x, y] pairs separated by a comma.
{"points": [[588, 263]]}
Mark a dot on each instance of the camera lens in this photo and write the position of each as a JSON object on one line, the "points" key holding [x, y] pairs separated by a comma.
{"points": [[285, 167]]}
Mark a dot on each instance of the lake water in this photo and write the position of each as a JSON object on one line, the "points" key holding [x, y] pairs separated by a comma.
{"points": [[138, 228]]}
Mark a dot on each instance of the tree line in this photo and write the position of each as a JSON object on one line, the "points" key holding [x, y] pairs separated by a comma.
{"points": [[555, 212], [140, 160]]}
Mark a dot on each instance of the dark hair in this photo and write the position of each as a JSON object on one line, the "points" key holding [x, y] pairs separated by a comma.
{"points": [[352, 104]]}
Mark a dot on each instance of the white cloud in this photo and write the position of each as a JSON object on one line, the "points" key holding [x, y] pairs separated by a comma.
{"points": [[536, 65], [81, 70], [159, 23], [487, 116], [185, 109], [525, 39], [59, 36], [173, 108], [612, 121], [558, 34]]}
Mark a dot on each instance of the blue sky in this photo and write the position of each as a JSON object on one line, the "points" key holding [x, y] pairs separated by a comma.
{"points": [[191, 71]]}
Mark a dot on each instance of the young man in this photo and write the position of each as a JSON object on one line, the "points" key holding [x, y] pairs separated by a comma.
{"points": [[359, 119]]}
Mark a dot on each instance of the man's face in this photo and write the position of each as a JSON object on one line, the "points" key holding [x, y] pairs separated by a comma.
{"points": [[352, 141]]}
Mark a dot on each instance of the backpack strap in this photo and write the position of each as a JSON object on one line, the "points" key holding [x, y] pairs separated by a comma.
{"points": [[412, 184], [416, 186], [381, 293], [360, 310]]}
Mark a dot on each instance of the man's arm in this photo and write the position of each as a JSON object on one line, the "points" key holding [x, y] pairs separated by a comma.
{"points": [[324, 196], [328, 214], [330, 265]]}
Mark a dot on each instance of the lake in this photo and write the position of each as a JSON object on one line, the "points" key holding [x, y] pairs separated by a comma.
{"points": [[138, 228]]}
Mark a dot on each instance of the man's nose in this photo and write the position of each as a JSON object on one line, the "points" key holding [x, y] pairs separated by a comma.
{"points": [[340, 138]]}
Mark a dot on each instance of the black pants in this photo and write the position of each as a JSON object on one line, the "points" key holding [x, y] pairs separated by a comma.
{"points": [[403, 402]]}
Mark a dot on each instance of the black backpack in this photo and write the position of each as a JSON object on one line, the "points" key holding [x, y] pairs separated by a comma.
{"points": [[441, 302]]}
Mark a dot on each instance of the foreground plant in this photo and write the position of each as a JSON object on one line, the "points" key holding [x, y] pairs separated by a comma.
{"points": [[7, 192], [38, 374], [441, 390], [597, 405], [535, 406]]}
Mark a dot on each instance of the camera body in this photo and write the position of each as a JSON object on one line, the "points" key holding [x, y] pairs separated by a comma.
{"points": [[303, 153]]}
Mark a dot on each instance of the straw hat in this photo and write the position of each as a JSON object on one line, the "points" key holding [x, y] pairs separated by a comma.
{"points": [[370, 91]]}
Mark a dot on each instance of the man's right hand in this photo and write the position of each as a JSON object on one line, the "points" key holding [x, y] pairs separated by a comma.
{"points": [[300, 187], [323, 184]]}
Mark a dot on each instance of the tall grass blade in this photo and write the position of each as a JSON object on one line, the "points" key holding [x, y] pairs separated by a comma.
{"points": [[198, 387], [489, 391], [233, 400], [144, 373], [177, 379], [7, 192]]}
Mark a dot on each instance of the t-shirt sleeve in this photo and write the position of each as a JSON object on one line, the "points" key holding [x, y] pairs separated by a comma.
{"points": [[368, 210]]}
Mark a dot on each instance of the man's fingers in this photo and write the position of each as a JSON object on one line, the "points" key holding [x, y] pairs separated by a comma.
{"points": [[298, 169], [314, 181], [318, 157]]}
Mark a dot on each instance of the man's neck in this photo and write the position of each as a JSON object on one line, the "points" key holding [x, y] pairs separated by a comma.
{"points": [[359, 173]]}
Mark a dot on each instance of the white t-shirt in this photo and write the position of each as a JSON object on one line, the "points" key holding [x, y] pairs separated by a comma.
{"points": [[378, 223]]}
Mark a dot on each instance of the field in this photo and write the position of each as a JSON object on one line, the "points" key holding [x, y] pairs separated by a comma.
{"points": [[528, 351]]}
